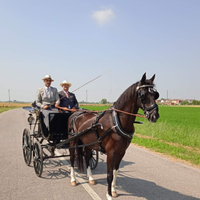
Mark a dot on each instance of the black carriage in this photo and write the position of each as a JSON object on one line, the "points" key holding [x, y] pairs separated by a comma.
{"points": [[38, 138]]}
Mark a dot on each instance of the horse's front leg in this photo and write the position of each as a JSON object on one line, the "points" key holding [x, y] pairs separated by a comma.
{"points": [[110, 166], [118, 159], [72, 158], [115, 173], [88, 155]]}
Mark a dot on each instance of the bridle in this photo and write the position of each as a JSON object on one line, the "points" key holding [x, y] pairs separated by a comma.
{"points": [[141, 94]]}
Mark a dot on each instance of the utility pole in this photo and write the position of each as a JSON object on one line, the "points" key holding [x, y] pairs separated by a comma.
{"points": [[9, 95], [167, 94], [86, 96]]}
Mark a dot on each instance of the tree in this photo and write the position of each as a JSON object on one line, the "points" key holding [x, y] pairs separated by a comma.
{"points": [[104, 101], [184, 103]]}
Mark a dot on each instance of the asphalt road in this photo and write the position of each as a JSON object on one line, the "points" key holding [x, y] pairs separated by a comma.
{"points": [[142, 175]]}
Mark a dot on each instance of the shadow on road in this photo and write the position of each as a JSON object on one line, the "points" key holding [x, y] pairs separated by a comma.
{"points": [[102, 166], [53, 169], [133, 187], [138, 187], [147, 189]]}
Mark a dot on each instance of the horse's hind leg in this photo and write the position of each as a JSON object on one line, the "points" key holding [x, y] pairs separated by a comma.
{"points": [[88, 154], [72, 158]]}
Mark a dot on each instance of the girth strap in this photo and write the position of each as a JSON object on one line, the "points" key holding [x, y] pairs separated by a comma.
{"points": [[102, 149]]}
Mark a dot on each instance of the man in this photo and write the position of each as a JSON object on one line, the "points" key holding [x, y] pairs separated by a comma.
{"points": [[46, 99], [68, 101]]}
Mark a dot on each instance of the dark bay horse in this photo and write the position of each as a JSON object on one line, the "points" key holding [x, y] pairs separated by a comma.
{"points": [[116, 132]]}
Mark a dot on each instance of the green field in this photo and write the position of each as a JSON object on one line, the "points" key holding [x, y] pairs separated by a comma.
{"points": [[3, 109], [176, 133], [96, 108], [176, 124]]}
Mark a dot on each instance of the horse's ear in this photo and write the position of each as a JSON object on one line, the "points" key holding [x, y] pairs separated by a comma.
{"points": [[152, 78], [142, 81]]}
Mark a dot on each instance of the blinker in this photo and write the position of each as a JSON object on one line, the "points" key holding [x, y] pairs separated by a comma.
{"points": [[156, 95], [154, 92]]}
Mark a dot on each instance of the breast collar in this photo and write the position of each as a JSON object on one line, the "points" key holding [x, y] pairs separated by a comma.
{"points": [[119, 128]]}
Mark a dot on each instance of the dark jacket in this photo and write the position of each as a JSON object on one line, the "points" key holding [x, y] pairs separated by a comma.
{"points": [[70, 102]]}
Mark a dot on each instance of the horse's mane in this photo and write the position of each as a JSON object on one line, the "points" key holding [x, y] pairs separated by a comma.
{"points": [[128, 94]]}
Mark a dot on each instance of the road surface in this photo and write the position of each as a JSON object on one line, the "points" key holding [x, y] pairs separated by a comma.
{"points": [[142, 175]]}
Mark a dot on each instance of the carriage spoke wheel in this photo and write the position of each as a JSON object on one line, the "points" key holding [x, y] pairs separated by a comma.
{"points": [[26, 146], [38, 158], [94, 159]]}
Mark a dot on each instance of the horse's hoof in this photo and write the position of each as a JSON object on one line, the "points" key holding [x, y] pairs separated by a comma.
{"points": [[73, 183], [92, 182], [114, 194]]}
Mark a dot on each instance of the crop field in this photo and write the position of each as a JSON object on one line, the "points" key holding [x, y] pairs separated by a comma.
{"points": [[3, 104], [176, 133], [7, 106], [95, 107]]}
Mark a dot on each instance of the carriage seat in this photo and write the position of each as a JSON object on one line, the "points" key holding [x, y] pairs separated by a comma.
{"points": [[58, 127]]}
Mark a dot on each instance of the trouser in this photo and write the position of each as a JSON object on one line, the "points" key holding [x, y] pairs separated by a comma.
{"points": [[45, 113]]}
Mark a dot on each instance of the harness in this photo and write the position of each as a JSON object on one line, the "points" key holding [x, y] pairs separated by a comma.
{"points": [[119, 128], [94, 126], [102, 149], [147, 110]]}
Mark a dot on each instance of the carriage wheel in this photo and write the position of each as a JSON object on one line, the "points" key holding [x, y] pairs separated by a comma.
{"points": [[38, 158], [94, 159], [26, 146]]}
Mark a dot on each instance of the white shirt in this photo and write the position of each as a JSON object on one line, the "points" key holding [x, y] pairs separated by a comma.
{"points": [[48, 91]]}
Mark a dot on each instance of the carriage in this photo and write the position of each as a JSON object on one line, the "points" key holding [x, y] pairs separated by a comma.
{"points": [[110, 132], [41, 143]]}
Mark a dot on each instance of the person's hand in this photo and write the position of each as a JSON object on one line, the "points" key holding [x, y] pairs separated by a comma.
{"points": [[64, 108], [45, 107], [73, 110]]}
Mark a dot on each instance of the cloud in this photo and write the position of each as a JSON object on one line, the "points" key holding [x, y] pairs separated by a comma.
{"points": [[103, 16]]}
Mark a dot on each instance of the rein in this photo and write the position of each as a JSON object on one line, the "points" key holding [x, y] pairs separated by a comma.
{"points": [[137, 115]]}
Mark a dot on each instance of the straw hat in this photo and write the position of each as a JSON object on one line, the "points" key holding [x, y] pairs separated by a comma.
{"points": [[47, 77], [65, 83]]}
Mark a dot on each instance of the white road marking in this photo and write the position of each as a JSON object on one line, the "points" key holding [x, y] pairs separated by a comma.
{"points": [[86, 186]]}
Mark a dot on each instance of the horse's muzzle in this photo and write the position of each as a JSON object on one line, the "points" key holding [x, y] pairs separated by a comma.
{"points": [[152, 114]]}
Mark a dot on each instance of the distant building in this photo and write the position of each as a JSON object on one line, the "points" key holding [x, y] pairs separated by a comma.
{"points": [[171, 101]]}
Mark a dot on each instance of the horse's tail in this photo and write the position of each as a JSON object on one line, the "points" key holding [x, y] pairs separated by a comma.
{"points": [[79, 157]]}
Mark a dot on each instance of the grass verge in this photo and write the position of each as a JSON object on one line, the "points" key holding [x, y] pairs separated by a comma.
{"points": [[3, 109], [169, 149]]}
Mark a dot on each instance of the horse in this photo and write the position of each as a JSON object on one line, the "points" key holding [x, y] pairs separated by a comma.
{"points": [[114, 132]]}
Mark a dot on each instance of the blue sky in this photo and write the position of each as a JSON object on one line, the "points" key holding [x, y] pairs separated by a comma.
{"points": [[80, 40]]}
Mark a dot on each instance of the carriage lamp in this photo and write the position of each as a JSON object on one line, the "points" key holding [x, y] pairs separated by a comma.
{"points": [[31, 120]]}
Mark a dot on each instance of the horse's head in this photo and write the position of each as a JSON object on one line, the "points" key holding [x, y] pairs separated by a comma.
{"points": [[146, 98]]}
